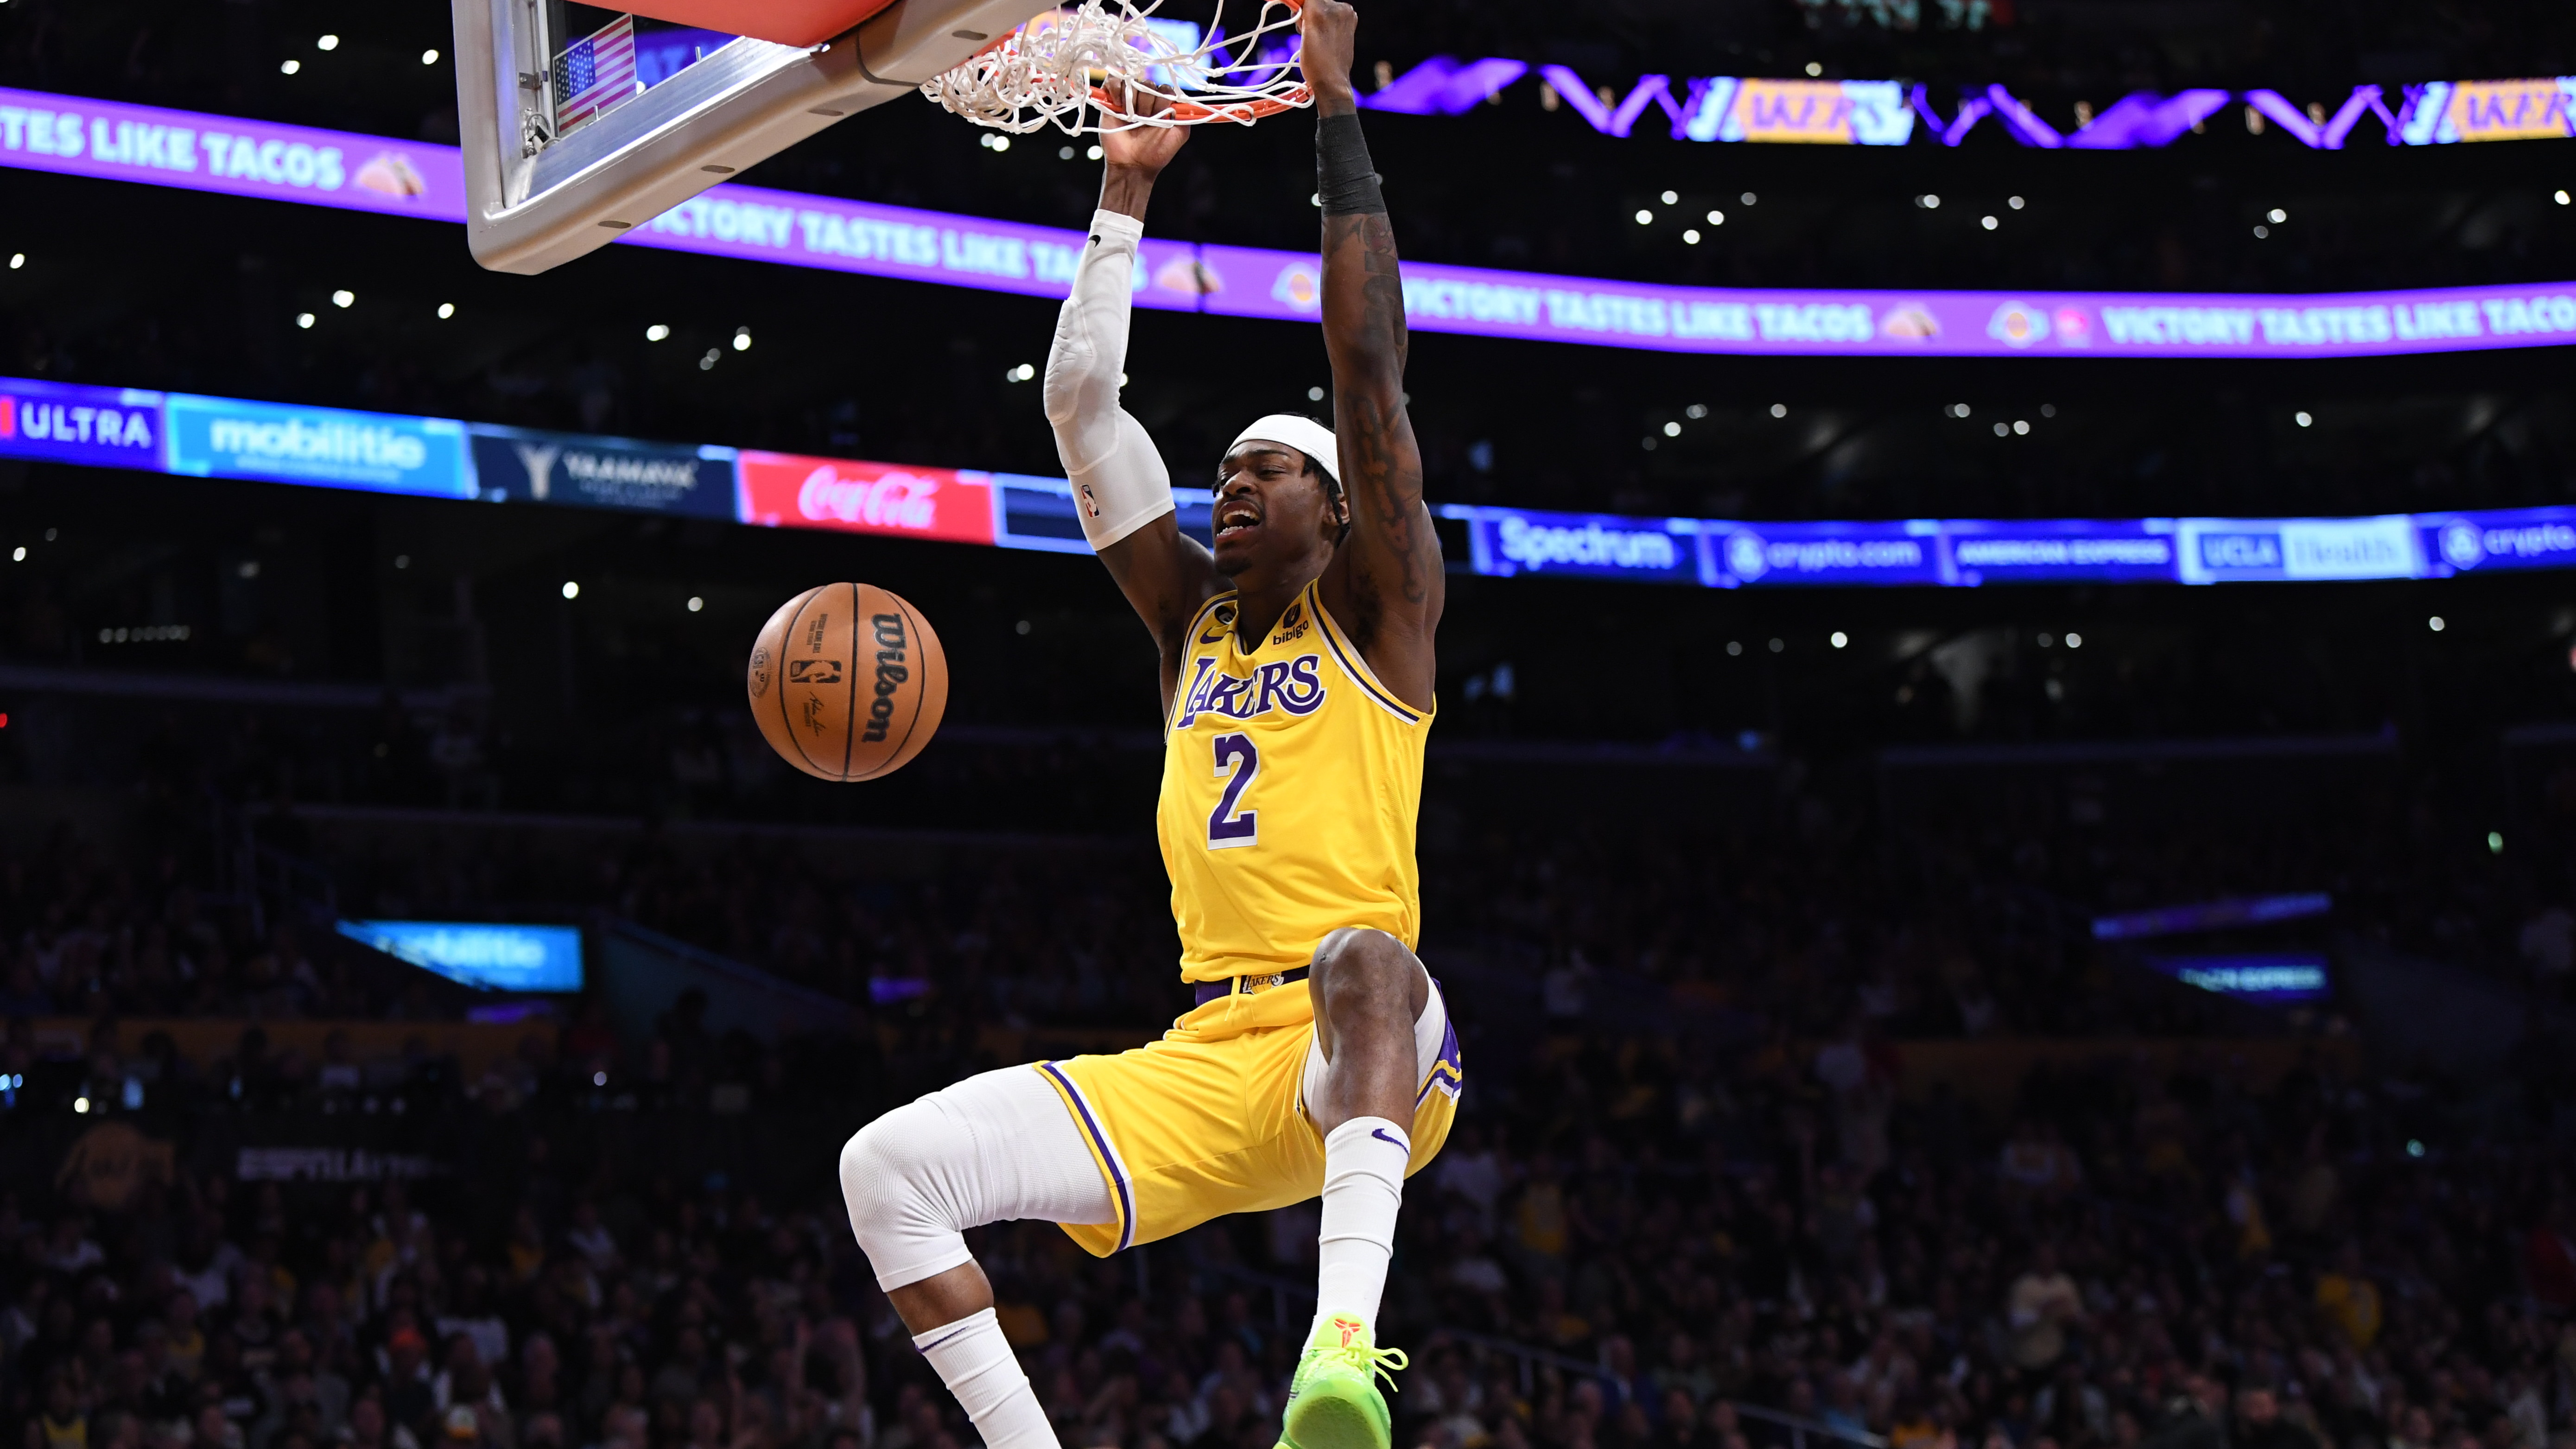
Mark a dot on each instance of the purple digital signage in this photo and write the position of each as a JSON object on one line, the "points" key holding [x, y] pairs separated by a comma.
{"points": [[82, 137], [332, 168]]}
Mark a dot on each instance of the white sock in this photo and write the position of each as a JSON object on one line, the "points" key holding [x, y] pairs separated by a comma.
{"points": [[1364, 1161], [977, 1365]]}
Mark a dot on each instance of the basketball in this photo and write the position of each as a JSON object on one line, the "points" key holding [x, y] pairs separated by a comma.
{"points": [[848, 682]]}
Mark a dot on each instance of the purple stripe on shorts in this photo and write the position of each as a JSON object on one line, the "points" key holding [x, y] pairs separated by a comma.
{"points": [[1108, 1158]]}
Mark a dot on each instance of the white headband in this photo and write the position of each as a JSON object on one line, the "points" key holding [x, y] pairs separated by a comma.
{"points": [[1305, 435]]}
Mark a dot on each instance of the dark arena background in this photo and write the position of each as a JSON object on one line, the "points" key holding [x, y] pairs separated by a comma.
{"points": [[2124, 1002]]}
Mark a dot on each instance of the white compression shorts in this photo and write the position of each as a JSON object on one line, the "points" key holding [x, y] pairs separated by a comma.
{"points": [[1000, 1147]]}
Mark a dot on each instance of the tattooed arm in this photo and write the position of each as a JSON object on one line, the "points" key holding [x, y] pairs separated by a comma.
{"points": [[1384, 584]]}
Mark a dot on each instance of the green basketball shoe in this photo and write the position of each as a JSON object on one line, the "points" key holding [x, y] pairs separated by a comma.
{"points": [[1333, 1402]]}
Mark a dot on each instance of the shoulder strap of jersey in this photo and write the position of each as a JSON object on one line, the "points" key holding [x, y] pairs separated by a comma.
{"points": [[1347, 655]]}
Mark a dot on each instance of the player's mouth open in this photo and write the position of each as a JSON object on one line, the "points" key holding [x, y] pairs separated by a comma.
{"points": [[1235, 517]]}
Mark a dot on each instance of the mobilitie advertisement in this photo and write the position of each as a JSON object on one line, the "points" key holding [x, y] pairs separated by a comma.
{"points": [[215, 437]]}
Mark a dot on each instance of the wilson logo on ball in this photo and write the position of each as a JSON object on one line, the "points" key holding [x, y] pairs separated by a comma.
{"points": [[890, 675]]}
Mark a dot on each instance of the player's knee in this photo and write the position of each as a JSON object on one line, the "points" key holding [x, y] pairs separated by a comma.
{"points": [[883, 1173], [1367, 972]]}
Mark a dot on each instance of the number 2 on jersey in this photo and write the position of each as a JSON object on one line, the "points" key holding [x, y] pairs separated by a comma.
{"points": [[1240, 762]]}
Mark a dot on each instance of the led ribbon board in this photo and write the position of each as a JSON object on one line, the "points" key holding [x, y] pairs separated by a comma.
{"points": [[191, 435], [365, 173]]}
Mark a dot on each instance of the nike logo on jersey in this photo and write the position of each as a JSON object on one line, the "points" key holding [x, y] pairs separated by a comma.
{"points": [[1216, 638], [1292, 685]]}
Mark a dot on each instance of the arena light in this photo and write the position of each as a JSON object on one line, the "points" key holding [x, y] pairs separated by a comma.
{"points": [[1839, 639], [742, 339], [1645, 217], [2436, 624], [446, 310], [656, 332], [1690, 236], [1672, 430], [304, 319], [429, 56], [1314, 394], [1695, 411], [571, 590], [2560, 196], [696, 604], [1988, 222], [2021, 427], [2495, 842], [17, 260], [344, 298], [1779, 410], [1928, 201], [290, 67], [1717, 218], [2303, 418], [2074, 640], [2276, 216], [2014, 202]]}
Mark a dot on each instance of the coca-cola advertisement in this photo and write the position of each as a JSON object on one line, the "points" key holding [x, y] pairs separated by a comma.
{"points": [[788, 490]]}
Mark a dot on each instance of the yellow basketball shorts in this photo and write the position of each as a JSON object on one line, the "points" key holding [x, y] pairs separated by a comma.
{"points": [[1212, 1119]]}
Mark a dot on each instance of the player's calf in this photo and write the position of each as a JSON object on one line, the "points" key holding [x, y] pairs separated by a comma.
{"points": [[994, 1146]]}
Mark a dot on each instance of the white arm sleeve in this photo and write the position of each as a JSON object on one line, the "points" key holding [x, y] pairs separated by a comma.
{"points": [[1119, 481]]}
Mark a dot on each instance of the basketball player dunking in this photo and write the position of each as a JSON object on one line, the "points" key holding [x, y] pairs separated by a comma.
{"points": [[1297, 688]]}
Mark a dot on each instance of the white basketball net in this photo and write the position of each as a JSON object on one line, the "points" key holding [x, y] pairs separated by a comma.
{"points": [[1102, 65]]}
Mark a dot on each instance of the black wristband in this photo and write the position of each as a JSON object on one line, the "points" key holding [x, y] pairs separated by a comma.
{"points": [[1343, 177]]}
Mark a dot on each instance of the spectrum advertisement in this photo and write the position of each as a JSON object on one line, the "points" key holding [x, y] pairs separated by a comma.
{"points": [[332, 168]]}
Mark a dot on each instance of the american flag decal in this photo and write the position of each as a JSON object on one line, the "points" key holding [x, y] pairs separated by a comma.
{"points": [[595, 75]]}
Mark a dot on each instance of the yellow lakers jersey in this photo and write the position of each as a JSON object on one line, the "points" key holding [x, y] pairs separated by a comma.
{"points": [[1291, 779]]}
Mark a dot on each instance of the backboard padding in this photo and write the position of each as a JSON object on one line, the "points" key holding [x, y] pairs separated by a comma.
{"points": [[782, 22]]}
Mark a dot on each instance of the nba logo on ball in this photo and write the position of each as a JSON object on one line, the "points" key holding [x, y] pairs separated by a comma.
{"points": [[848, 682]]}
